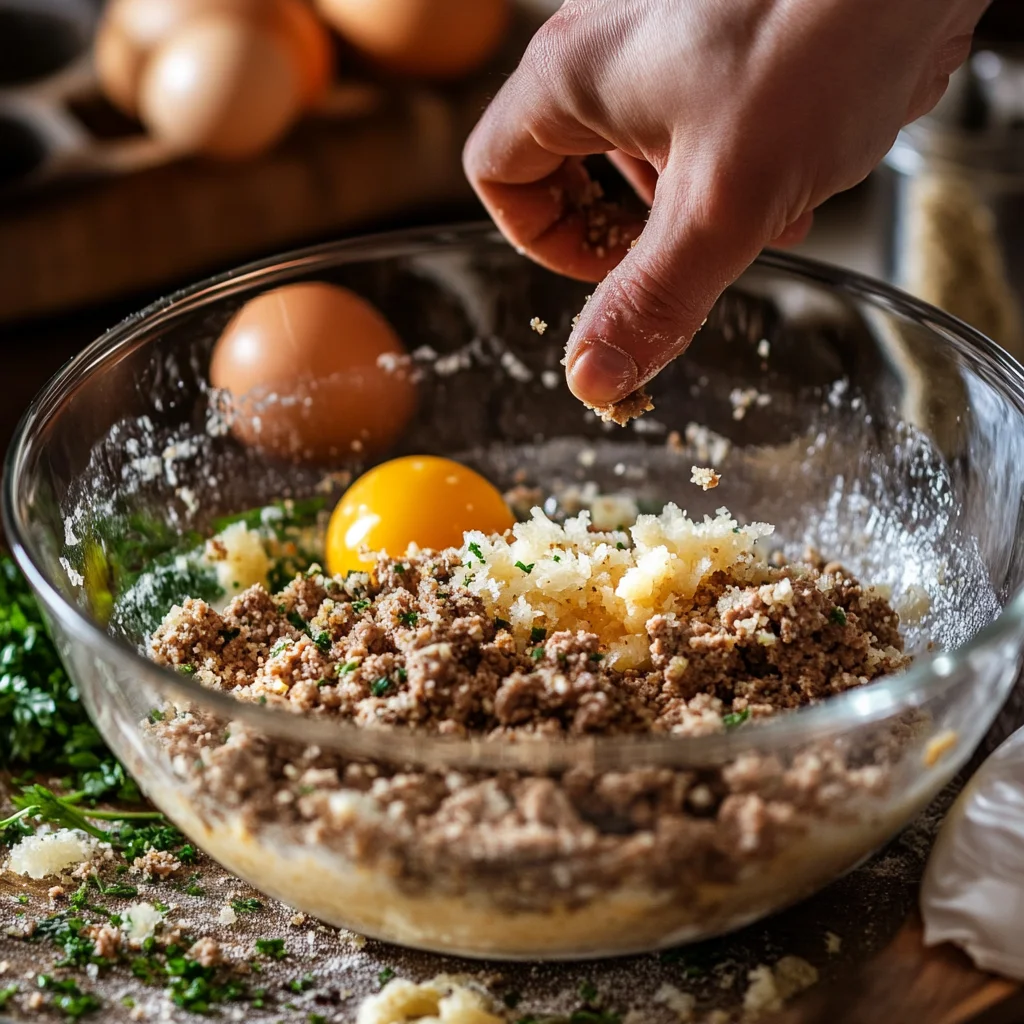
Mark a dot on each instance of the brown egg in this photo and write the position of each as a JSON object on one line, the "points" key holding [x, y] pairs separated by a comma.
{"points": [[426, 38], [311, 45], [302, 364], [132, 29], [221, 86]]}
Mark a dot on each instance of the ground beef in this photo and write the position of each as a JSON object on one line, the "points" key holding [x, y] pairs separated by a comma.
{"points": [[414, 650], [407, 650]]}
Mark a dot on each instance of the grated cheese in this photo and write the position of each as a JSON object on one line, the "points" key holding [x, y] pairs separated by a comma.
{"points": [[50, 853], [568, 577]]}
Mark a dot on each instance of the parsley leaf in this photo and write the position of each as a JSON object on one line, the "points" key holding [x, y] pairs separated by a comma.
{"points": [[735, 719], [384, 976], [838, 616], [250, 905], [272, 948], [379, 687], [408, 618], [68, 997], [526, 568]]}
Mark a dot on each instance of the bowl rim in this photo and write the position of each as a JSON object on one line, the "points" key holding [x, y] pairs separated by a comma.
{"points": [[928, 675]]}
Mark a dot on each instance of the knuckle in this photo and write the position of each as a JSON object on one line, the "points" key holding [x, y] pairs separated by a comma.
{"points": [[648, 293]]}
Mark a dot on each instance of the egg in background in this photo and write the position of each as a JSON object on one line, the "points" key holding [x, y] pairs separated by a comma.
{"points": [[417, 499], [223, 77], [303, 365], [220, 86], [439, 39]]}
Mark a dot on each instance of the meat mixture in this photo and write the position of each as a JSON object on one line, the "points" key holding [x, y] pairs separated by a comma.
{"points": [[409, 649]]}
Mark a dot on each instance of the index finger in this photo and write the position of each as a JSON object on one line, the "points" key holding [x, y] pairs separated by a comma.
{"points": [[524, 159]]}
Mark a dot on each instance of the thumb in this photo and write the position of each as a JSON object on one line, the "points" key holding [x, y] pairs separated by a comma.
{"points": [[648, 308]]}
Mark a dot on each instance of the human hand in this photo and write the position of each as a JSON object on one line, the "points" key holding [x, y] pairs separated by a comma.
{"points": [[734, 119]]}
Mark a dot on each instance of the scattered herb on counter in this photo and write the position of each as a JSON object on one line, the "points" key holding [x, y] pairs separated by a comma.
{"points": [[194, 987], [68, 997], [249, 905], [274, 949], [43, 805], [303, 984]]}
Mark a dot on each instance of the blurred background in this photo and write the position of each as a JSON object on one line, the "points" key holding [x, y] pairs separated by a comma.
{"points": [[148, 143]]}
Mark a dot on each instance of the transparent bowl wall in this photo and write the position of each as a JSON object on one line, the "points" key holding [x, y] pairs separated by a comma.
{"points": [[893, 440]]}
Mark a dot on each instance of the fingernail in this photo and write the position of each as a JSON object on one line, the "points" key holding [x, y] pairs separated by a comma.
{"points": [[602, 374]]}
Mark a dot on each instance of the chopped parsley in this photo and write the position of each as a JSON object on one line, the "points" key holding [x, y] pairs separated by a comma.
{"points": [[526, 568], [737, 718], [620, 546], [408, 618], [316, 1018], [323, 641], [384, 976], [537, 653], [193, 888], [133, 841], [297, 621], [68, 934], [187, 670], [194, 987], [68, 997], [379, 687], [588, 992], [349, 666], [474, 549], [838, 616], [156, 715], [282, 645], [512, 999], [271, 948], [399, 567], [6, 994], [250, 905], [537, 634], [303, 984], [595, 656], [361, 606]]}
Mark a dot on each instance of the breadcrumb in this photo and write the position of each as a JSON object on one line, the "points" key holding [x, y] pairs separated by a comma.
{"points": [[627, 409], [704, 477], [538, 325]]}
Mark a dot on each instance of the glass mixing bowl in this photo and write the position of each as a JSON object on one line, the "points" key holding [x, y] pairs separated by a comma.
{"points": [[883, 432]]}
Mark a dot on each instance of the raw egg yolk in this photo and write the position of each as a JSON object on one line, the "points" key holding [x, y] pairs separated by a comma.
{"points": [[418, 499]]}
